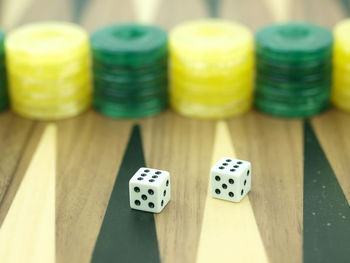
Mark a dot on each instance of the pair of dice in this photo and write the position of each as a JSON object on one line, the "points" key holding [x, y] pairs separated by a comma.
{"points": [[150, 189]]}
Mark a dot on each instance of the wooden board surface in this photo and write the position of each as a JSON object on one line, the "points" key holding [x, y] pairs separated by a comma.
{"points": [[90, 148]]}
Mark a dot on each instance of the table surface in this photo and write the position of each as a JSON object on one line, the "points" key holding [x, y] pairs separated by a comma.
{"points": [[56, 179]]}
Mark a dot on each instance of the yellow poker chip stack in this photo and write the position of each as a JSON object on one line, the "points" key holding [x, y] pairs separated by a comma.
{"points": [[211, 69], [49, 70], [341, 66]]}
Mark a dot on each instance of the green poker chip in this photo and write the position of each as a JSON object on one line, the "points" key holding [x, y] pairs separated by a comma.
{"points": [[4, 103], [140, 90], [294, 70], [2, 40], [132, 99], [124, 111], [124, 79], [294, 42], [292, 84], [275, 91], [294, 78], [293, 99], [129, 44], [130, 70], [290, 110]]}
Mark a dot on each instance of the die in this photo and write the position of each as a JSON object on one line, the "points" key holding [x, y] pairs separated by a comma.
{"points": [[149, 190], [231, 179]]}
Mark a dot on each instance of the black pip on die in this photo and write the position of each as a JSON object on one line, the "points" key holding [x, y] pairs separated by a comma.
{"points": [[149, 190], [231, 179]]}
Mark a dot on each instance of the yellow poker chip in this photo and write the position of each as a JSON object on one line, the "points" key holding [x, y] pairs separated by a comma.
{"points": [[213, 73], [341, 70], [223, 92], [49, 70], [70, 69], [341, 94], [53, 113], [212, 82], [207, 100], [60, 87], [341, 97], [40, 101], [342, 103], [340, 53], [340, 67], [341, 82], [212, 94], [341, 33], [184, 57], [46, 42], [57, 107], [210, 39], [204, 111], [211, 68]]}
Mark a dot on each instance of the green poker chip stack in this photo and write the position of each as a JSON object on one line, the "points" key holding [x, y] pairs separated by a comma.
{"points": [[130, 70], [294, 70], [3, 79]]}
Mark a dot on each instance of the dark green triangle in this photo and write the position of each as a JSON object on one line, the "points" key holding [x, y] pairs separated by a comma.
{"points": [[213, 7], [127, 235], [78, 9], [326, 210], [346, 6]]}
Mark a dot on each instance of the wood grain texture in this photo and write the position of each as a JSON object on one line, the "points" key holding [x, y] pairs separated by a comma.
{"points": [[266, 141], [87, 165], [15, 152], [274, 147], [146, 11], [89, 153], [326, 12], [124, 230], [16, 133], [251, 13], [183, 147], [172, 12], [229, 230], [332, 130], [90, 149], [280, 10], [100, 13], [48, 10], [29, 146], [11, 12], [28, 231], [326, 217]]}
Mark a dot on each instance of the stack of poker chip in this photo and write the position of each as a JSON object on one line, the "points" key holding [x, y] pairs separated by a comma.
{"points": [[212, 69], [130, 70], [3, 78], [293, 70], [49, 70], [341, 69]]}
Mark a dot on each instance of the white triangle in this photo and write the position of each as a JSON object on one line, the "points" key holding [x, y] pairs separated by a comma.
{"points": [[27, 234], [146, 10], [229, 230], [12, 11], [280, 9]]}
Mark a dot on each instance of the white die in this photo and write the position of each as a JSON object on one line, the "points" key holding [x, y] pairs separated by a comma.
{"points": [[231, 179], [149, 190]]}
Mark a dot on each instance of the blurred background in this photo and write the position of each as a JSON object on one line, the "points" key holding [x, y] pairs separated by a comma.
{"points": [[93, 14]]}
